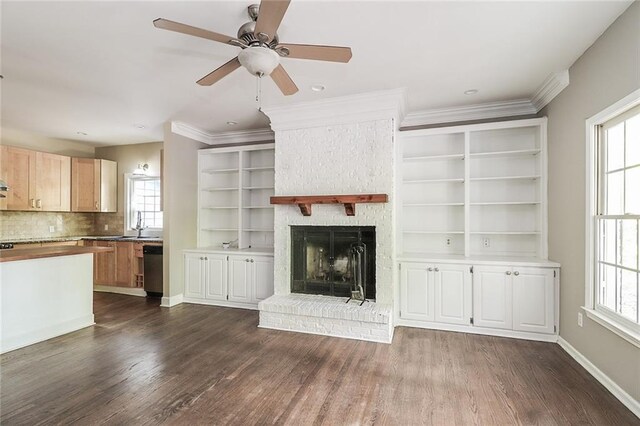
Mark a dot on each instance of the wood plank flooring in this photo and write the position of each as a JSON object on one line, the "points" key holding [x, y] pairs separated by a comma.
{"points": [[193, 365]]}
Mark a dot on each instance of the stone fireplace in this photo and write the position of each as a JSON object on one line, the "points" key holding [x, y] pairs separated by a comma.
{"points": [[335, 146]]}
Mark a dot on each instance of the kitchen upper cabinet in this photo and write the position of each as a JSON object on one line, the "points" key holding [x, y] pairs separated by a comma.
{"points": [[492, 297], [38, 181], [3, 176], [94, 185]]}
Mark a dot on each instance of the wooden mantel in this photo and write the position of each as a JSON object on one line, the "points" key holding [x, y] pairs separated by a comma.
{"points": [[349, 201]]}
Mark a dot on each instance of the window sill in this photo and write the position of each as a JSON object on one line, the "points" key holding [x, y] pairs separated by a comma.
{"points": [[622, 331]]}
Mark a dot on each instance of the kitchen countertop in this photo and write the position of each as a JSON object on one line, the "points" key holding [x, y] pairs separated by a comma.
{"points": [[91, 238], [11, 255]]}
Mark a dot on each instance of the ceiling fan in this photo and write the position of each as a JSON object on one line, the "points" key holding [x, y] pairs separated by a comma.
{"points": [[261, 48]]}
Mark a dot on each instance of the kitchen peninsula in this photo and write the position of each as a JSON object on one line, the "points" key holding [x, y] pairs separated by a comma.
{"points": [[45, 292]]}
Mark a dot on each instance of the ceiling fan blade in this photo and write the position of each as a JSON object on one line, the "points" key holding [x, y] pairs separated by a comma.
{"points": [[166, 24], [270, 15], [220, 72], [317, 52], [283, 81]]}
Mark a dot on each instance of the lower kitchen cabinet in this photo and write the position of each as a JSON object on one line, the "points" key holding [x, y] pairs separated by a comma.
{"points": [[122, 267], [228, 280], [511, 300]]}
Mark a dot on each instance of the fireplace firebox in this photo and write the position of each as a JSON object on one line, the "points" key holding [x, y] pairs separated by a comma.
{"points": [[332, 260]]}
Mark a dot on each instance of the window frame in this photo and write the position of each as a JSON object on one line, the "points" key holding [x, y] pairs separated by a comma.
{"points": [[129, 178], [613, 321]]}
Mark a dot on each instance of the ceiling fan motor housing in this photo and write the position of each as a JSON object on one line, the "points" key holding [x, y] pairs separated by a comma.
{"points": [[246, 33]]}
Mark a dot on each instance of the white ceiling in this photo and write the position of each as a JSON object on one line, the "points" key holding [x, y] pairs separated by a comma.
{"points": [[101, 67]]}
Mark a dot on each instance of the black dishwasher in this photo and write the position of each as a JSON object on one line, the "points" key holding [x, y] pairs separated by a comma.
{"points": [[152, 270]]}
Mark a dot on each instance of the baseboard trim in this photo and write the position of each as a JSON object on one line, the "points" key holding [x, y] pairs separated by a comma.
{"points": [[120, 290], [605, 380], [168, 302], [222, 303]]}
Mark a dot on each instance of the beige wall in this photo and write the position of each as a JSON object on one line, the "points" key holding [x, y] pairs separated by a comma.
{"points": [[180, 194], [128, 157], [606, 72], [37, 142]]}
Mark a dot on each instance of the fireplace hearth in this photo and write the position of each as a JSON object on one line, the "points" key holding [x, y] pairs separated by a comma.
{"points": [[334, 261]]}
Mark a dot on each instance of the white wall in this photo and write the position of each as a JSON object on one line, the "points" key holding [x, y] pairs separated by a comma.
{"points": [[353, 158], [180, 194], [606, 72], [22, 139]]}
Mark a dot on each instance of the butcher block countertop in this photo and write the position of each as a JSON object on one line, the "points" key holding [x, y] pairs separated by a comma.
{"points": [[11, 255]]}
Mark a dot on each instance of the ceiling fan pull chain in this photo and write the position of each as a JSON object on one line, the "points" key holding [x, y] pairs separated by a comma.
{"points": [[259, 91]]}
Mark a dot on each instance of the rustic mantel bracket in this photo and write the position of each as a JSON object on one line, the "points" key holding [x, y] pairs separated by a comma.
{"points": [[349, 201]]}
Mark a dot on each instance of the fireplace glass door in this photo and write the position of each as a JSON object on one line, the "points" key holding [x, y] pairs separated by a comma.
{"points": [[322, 260]]}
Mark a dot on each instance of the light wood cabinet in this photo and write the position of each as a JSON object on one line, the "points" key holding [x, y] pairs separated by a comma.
{"points": [[104, 264], [123, 267], [94, 185], [124, 274], [227, 280], [3, 176], [37, 181]]}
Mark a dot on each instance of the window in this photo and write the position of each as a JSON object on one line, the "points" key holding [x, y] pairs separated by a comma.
{"points": [[617, 219], [144, 198]]}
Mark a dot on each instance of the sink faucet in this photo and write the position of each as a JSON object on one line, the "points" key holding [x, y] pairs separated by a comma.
{"points": [[139, 227]]}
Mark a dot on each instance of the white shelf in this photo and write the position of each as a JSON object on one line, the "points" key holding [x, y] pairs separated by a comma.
{"points": [[435, 157], [213, 171], [256, 169], [258, 207], [258, 230], [497, 154], [219, 208], [250, 188], [433, 205], [480, 179], [506, 203], [220, 229], [455, 180], [432, 232], [213, 189], [505, 232]]}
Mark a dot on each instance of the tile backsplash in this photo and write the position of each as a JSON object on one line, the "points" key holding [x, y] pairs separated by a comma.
{"points": [[21, 225]]}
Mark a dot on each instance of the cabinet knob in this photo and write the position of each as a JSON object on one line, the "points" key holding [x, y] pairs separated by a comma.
{"points": [[516, 273], [429, 269], [96, 204], [508, 272], [32, 202], [246, 260], [39, 203], [201, 258], [206, 258], [437, 269]]}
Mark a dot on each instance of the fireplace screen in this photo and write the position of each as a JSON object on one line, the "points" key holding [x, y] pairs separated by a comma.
{"points": [[329, 260]]}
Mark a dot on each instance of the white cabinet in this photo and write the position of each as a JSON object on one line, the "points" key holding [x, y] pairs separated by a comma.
{"points": [[533, 300], [440, 293], [205, 276], [218, 278], [492, 295]]}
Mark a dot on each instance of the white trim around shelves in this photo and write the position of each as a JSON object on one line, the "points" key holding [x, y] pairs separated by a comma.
{"points": [[532, 177], [632, 404], [496, 154]]}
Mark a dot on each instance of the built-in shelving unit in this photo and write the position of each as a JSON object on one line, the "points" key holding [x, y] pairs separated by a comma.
{"points": [[235, 186], [475, 190]]}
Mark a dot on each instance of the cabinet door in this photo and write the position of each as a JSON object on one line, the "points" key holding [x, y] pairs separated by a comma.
{"points": [[262, 277], [194, 281], [216, 276], [239, 279], [108, 186], [53, 182], [18, 170], [85, 184], [3, 176], [124, 264], [453, 294], [533, 300], [492, 297], [416, 292], [104, 265]]}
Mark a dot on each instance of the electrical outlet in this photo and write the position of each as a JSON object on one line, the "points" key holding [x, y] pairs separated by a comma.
{"points": [[447, 242], [52, 229], [106, 227], [486, 243], [580, 319]]}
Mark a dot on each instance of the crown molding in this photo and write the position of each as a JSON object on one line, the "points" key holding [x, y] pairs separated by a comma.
{"points": [[470, 112], [550, 88], [222, 138], [369, 106]]}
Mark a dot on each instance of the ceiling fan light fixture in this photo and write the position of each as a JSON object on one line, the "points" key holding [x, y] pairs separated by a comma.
{"points": [[259, 60]]}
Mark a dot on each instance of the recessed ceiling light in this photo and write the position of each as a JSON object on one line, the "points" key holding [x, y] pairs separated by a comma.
{"points": [[140, 126], [82, 133], [317, 87], [232, 123], [471, 92]]}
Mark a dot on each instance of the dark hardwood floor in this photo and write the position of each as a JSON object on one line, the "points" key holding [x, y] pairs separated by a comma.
{"points": [[190, 364]]}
